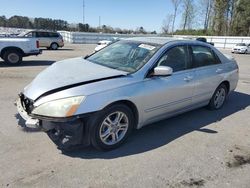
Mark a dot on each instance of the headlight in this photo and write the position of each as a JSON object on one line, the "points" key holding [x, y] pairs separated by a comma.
{"points": [[59, 108]]}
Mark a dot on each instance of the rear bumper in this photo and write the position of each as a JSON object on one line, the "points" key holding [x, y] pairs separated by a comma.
{"points": [[66, 134], [35, 52]]}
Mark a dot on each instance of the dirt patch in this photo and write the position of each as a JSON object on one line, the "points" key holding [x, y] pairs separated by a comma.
{"points": [[238, 161], [193, 182]]}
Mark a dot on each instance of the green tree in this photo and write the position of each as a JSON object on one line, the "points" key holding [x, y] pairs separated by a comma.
{"points": [[241, 18], [3, 21]]}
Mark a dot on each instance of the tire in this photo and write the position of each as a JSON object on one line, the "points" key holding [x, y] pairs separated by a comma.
{"points": [[106, 133], [219, 98], [12, 57], [54, 46], [245, 52]]}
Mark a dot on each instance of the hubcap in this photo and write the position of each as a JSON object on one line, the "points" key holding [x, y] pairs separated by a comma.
{"points": [[219, 98], [54, 46], [113, 128], [13, 58]]}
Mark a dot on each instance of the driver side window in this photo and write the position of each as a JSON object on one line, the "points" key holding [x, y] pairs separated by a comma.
{"points": [[176, 58]]}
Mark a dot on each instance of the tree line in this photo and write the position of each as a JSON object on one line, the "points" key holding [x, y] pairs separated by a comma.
{"points": [[209, 17], [57, 24]]}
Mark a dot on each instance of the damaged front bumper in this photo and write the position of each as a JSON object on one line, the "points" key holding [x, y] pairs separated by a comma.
{"points": [[66, 133], [29, 121]]}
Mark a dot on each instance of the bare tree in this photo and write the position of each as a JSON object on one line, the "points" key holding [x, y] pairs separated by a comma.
{"points": [[188, 13], [166, 25], [176, 4], [208, 5]]}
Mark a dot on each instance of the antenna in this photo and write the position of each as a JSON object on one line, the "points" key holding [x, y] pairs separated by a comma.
{"points": [[83, 12]]}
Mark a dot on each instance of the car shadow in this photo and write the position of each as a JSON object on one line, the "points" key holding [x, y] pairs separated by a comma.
{"points": [[30, 63], [59, 49], [159, 134]]}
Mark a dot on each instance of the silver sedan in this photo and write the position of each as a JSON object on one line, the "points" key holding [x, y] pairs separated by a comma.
{"points": [[98, 100]]}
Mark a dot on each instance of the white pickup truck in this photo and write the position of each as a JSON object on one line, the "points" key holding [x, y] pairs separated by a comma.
{"points": [[12, 50]]}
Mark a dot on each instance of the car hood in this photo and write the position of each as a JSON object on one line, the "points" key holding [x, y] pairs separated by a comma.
{"points": [[66, 74]]}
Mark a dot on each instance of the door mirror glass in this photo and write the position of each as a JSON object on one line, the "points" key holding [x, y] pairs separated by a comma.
{"points": [[163, 71]]}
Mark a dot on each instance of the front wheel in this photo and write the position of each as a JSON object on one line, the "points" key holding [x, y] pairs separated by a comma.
{"points": [[111, 127], [219, 97]]}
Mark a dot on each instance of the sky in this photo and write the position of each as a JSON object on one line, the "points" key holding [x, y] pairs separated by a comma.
{"points": [[126, 14]]}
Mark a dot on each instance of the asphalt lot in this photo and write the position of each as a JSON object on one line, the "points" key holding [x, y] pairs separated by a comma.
{"points": [[197, 149]]}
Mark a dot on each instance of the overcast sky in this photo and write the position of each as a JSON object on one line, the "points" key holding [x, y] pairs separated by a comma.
{"points": [[128, 14]]}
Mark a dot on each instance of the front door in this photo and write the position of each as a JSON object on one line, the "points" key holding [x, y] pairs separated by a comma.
{"points": [[166, 95]]}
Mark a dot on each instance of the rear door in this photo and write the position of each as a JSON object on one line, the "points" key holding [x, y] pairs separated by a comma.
{"points": [[43, 38], [208, 72]]}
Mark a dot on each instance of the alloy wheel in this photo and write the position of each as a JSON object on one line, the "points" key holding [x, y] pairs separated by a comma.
{"points": [[114, 128], [219, 98]]}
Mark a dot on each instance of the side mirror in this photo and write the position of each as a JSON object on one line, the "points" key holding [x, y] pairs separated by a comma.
{"points": [[163, 71]]}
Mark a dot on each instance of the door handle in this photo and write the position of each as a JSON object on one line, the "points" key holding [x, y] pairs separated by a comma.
{"points": [[188, 78], [219, 70]]}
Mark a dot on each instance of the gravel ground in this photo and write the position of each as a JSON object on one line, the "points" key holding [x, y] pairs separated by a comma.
{"points": [[200, 148]]}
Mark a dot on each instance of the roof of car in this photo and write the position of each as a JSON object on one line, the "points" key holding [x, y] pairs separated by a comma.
{"points": [[33, 30], [163, 40], [155, 40]]}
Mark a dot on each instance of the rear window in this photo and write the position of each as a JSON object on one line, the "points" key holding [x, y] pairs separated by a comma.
{"points": [[42, 34], [203, 56], [54, 35]]}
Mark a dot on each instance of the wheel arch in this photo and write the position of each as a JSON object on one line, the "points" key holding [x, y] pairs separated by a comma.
{"points": [[4, 50], [227, 84], [54, 43], [131, 105]]}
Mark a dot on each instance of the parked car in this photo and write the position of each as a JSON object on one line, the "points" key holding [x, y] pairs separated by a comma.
{"points": [[241, 48], [103, 43], [129, 84], [203, 39], [12, 50], [47, 39]]}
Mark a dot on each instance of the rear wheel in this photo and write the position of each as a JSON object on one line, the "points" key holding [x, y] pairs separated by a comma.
{"points": [[54, 46], [111, 127], [219, 97], [12, 57]]}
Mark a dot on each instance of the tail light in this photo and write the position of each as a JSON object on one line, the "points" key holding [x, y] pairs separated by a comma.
{"points": [[37, 44]]}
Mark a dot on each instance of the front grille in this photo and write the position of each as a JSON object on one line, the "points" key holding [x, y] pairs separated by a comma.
{"points": [[26, 103]]}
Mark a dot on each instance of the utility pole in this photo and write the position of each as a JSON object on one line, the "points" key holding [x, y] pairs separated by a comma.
{"points": [[100, 22], [83, 12]]}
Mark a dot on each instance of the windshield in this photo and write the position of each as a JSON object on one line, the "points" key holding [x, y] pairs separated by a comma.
{"points": [[125, 55], [241, 44], [25, 34]]}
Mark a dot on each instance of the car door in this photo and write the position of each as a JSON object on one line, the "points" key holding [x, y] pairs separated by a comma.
{"points": [[47, 39], [42, 38], [208, 70], [167, 95]]}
